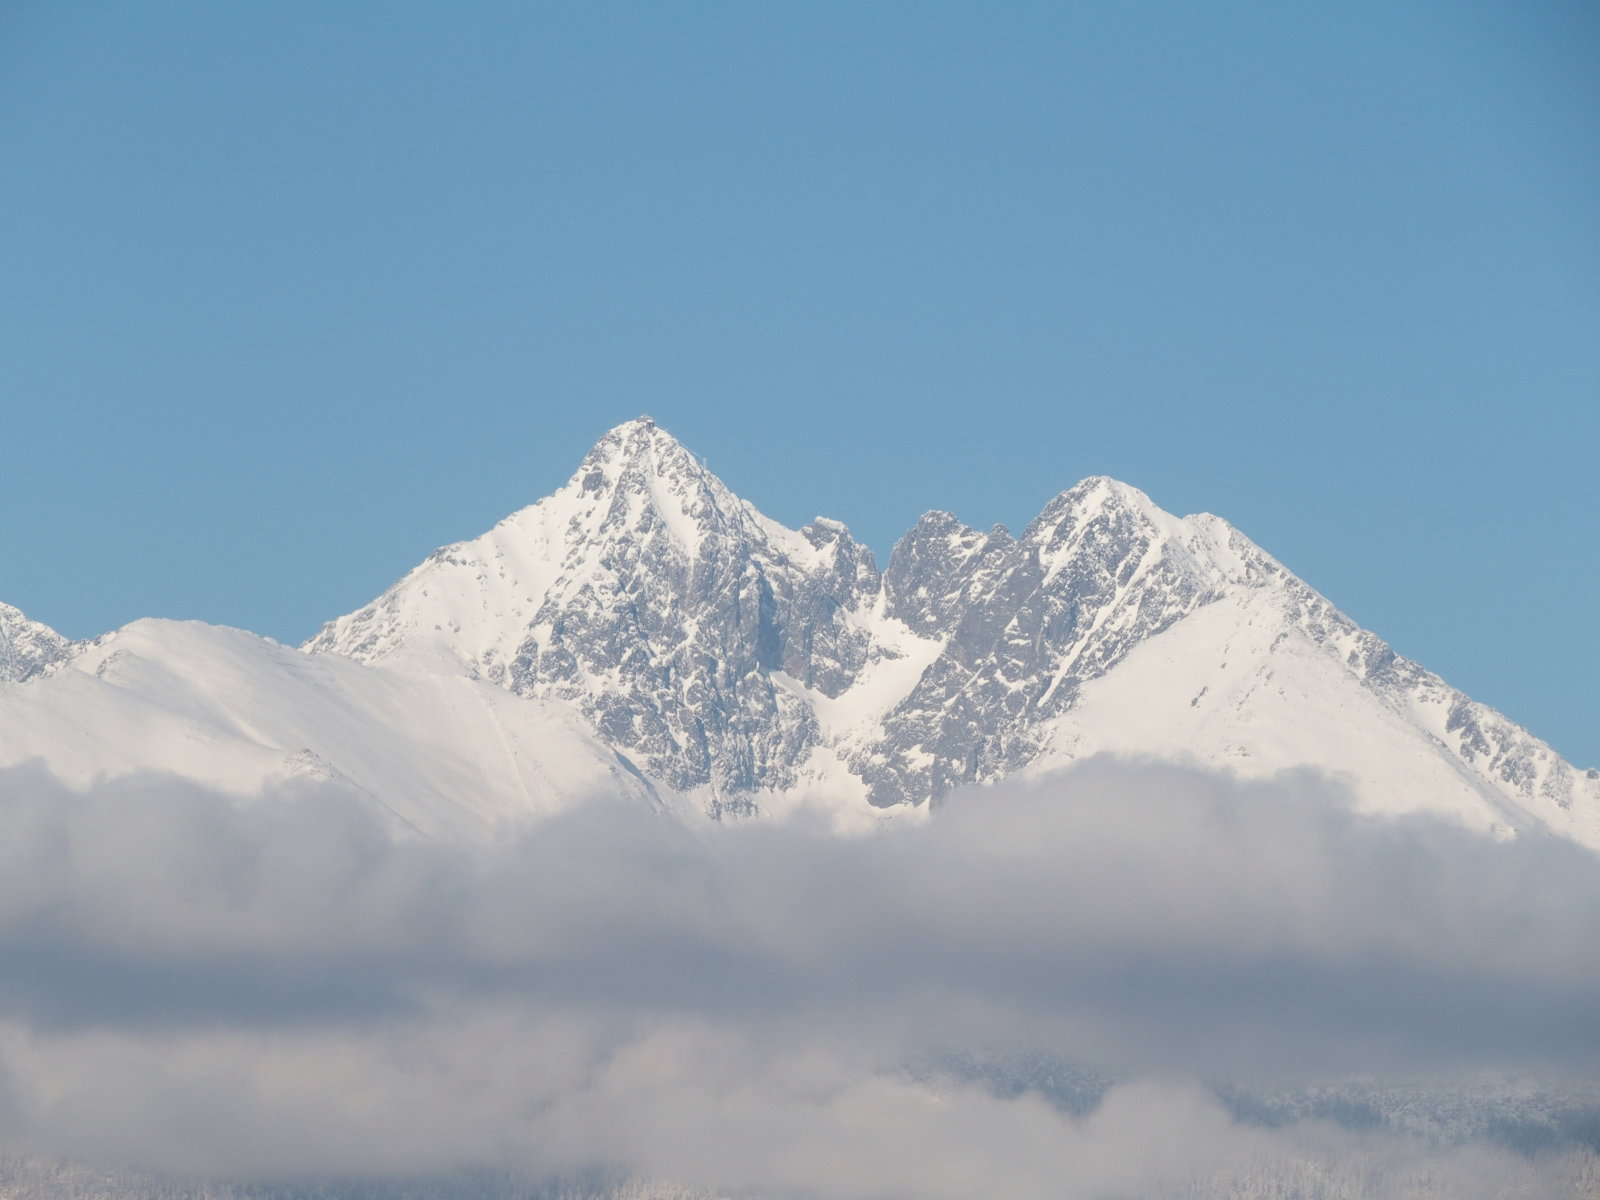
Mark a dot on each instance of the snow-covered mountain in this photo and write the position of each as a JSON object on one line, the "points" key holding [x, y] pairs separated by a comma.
{"points": [[645, 631], [745, 664]]}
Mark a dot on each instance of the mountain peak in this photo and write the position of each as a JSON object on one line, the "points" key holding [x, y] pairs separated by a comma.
{"points": [[640, 444], [1098, 493], [639, 478], [673, 615]]}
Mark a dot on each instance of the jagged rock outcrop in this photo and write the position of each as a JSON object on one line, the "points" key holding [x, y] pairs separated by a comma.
{"points": [[1024, 622], [27, 648]]}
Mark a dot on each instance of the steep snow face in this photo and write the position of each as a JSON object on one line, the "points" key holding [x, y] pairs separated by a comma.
{"points": [[741, 663], [652, 599], [27, 648], [239, 713], [1263, 679]]}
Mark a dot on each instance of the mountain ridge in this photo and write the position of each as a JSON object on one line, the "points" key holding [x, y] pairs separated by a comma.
{"points": [[644, 631], [974, 646]]}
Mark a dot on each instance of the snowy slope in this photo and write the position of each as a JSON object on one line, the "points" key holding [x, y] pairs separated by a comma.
{"points": [[237, 712], [1242, 685]]}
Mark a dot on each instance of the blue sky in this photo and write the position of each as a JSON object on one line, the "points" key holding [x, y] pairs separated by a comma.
{"points": [[294, 293]]}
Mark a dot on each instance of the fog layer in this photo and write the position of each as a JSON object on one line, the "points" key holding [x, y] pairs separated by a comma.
{"points": [[198, 984]]}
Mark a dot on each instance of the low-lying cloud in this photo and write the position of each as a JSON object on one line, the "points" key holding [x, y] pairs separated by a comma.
{"points": [[195, 984]]}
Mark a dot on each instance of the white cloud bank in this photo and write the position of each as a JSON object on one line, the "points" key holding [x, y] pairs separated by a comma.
{"points": [[197, 986]]}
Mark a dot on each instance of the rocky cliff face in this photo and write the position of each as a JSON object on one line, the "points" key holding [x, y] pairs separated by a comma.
{"points": [[728, 657], [27, 648], [1023, 622]]}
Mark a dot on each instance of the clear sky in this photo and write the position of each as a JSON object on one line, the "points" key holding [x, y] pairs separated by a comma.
{"points": [[292, 293]]}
